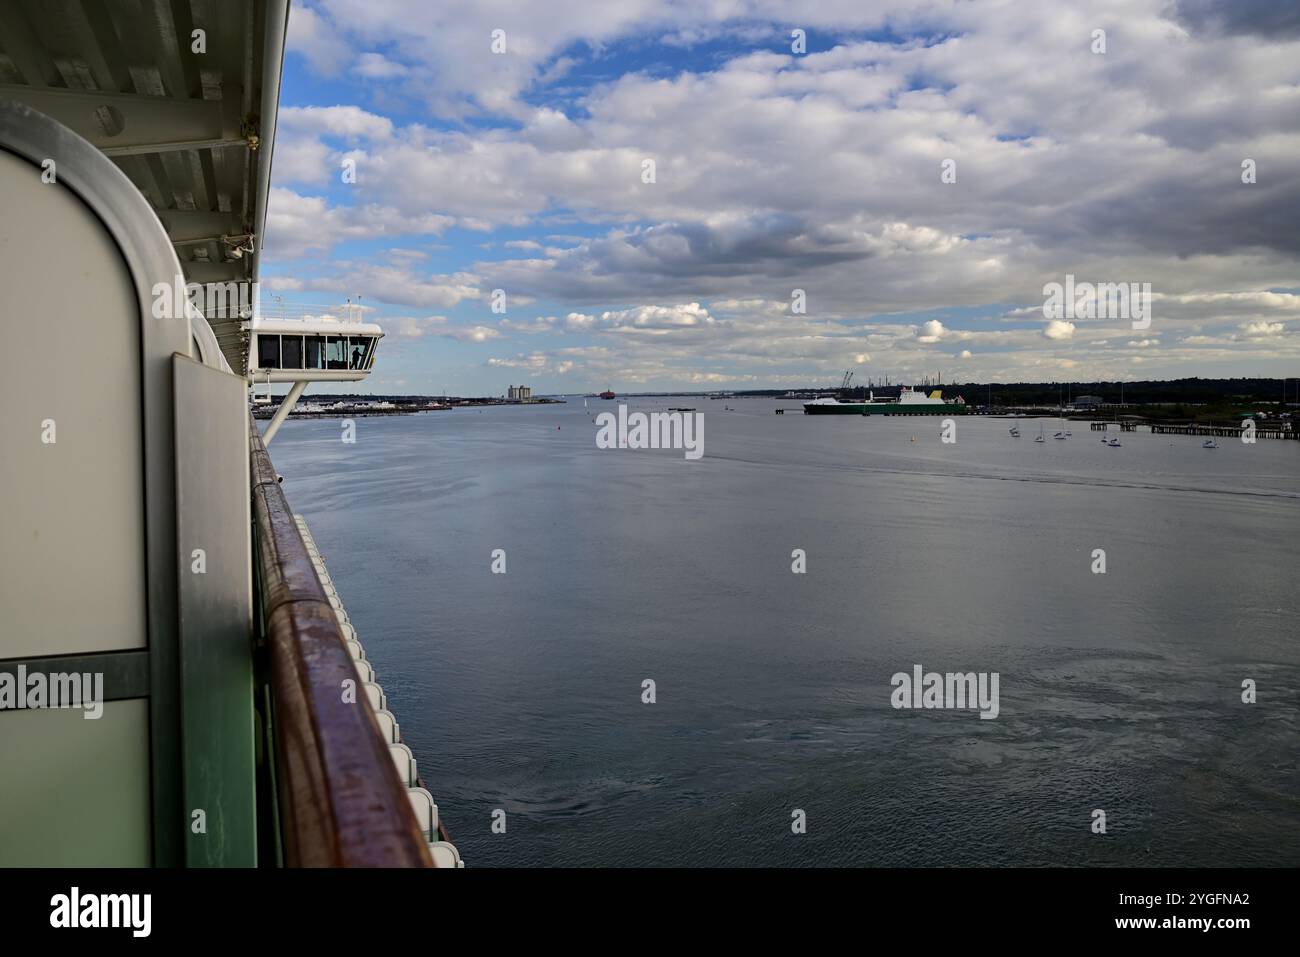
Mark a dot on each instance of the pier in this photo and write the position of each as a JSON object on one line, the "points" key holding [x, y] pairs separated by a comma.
{"points": [[1230, 431]]}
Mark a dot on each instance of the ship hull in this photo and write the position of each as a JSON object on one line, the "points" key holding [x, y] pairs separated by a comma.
{"points": [[881, 408]]}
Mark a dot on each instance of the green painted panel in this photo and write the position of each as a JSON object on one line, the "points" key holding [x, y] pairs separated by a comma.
{"points": [[84, 795], [216, 640]]}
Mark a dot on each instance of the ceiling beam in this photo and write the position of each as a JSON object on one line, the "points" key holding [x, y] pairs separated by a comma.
{"points": [[215, 272], [149, 123], [192, 225], [170, 146]]}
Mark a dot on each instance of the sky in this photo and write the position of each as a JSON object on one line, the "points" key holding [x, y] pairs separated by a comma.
{"points": [[651, 195]]}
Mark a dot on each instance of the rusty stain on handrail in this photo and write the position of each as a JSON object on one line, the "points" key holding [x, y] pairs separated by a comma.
{"points": [[341, 801]]}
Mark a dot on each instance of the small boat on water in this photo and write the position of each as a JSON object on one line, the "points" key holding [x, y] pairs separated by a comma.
{"points": [[1114, 443], [1040, 434], [1209, 444]]}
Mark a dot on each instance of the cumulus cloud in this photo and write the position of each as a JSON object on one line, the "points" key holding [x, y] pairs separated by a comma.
{"points": [[1264, 328], [401, 284], [1059, 329], [536, 362], [472, 333], [376, 66], [317, 39], [821, 173], [411, 327], [345, 121], [299, 225], [932, 331]]}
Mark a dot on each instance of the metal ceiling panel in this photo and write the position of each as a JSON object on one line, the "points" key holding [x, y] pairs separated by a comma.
{"points": [[192, 128]]}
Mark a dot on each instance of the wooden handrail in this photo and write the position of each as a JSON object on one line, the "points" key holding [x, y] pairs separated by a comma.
{"points": [[341, 801]]}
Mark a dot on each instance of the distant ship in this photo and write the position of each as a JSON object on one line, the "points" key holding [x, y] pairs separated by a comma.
{"points": [[607, 394], [909, 402]]}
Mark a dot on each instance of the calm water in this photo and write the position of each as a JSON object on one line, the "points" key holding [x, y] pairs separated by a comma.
{"points": [[1119, 691]]}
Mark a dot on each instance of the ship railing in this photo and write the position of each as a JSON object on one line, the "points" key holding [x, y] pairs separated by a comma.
{"points": [[280, 310], [337, 795], [444, 852]]}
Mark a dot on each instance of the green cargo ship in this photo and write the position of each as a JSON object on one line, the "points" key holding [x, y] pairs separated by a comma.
{"points": [[908, 402]]}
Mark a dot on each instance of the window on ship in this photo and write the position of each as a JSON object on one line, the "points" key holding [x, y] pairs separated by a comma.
{"points": [[291, 352], [361, 349], [337, 352], [315, 352], [268, 352]]}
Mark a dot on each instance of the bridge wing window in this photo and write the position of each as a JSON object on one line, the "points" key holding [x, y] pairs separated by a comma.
{"points": [[315, 353], [361, 348], [268, 352], [291, 351], [337, 352]]}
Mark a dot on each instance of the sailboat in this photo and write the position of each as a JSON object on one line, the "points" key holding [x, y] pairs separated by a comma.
{"points": [[1061, 433], [1015, 430], [1040, 433]]}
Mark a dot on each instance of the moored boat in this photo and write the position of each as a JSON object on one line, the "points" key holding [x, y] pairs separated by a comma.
{"points": [[908, 402]]}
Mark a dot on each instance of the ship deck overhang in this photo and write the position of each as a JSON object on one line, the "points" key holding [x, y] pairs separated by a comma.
{"points": [[182, 95]]}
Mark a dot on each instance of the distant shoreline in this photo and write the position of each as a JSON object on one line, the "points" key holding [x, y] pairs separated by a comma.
{"points": [[389, 405]]}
